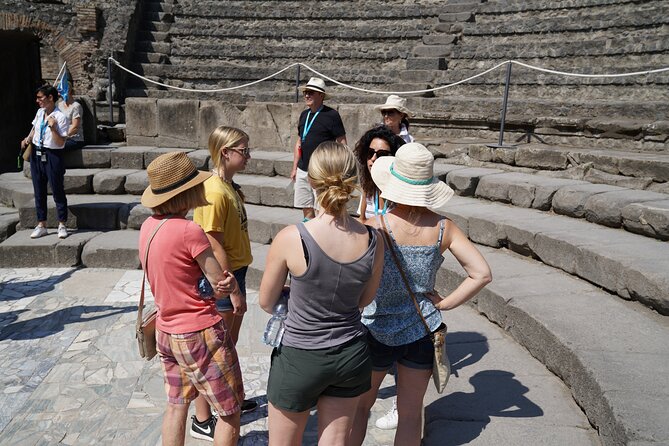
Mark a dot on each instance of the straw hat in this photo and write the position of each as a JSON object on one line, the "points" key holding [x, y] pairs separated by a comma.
{"points": [[316, 84], [394, 102], [169, 175], [408, 178]]}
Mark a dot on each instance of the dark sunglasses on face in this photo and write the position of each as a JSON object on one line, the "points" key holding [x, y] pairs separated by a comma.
{"points": [[388, 112], [379, 153], [244, 151]]}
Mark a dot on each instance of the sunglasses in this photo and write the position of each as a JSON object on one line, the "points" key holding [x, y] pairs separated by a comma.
{"points": [[379, 153], [244, 151], [388, 112]]}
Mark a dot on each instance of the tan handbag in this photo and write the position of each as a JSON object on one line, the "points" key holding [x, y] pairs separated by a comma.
{"points": [[26, 153], [145, 328], [441, 367]]}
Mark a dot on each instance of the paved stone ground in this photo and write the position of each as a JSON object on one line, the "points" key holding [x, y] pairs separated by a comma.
{"points": [[71, 374]]}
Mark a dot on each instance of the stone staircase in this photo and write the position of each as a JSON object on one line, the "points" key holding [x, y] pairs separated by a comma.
{"points": [[586, 292]]}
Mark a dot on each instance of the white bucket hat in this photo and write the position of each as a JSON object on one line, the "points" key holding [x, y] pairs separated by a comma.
{"points": [[408, 178], [316, 84], [394, 102]]}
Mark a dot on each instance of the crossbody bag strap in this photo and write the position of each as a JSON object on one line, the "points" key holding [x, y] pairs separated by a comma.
{"points": [[391, 248], [140, 308]]}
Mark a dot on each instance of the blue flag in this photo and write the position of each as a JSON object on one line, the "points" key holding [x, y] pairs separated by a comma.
{"points": [[64, 87]]}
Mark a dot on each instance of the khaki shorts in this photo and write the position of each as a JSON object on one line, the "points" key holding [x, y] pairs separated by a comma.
{"points": [[304, 196]]}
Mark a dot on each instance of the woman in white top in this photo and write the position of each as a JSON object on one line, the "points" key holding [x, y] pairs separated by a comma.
{"points": [[75, 116], [396, 116]]}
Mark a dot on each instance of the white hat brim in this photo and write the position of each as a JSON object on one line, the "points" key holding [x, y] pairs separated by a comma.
{"points": [[433, 196]]}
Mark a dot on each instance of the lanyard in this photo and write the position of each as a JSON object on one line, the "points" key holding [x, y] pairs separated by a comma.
{"points": [[376, 205], [42, 128], [307, 124]]}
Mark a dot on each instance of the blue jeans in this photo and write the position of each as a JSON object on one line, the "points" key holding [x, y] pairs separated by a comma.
{"points": [[225, 304]]}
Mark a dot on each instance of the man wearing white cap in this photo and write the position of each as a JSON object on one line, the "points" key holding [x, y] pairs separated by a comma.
{"points": [[317, 124]]}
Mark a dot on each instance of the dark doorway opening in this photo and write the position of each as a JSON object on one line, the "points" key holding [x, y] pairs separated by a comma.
{"points": [[19, 77]]}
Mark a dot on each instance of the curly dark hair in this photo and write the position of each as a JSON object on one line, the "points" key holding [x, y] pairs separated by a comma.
{"points": [[362, 147]]}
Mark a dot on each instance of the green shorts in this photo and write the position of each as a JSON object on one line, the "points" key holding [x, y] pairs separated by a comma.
{"points": [[297, 377]]}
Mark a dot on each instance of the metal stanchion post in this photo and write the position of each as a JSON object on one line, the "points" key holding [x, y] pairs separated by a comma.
{"points": [[297, 85], [110, 97], [503, 117]]}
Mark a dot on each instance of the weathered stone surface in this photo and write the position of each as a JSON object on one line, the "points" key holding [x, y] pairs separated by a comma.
{"points": [[432, 50], [129, 157], [8, 224], [504, 155], [456, 16], [136, 183], [439, 39], [20, 250], [178, 123], [136, 216], [357, 120], [155, 153], [78, 181], [141, 117], [464, 181], [541, 157], [570, 200], [655, 167], [213, 114], [268, 125], [426, 63], [650, 218], [522, 190], [200, 158], [606, 208], [115, 249], [111, 181], [599, 177], [481, 152], [88, 157]]}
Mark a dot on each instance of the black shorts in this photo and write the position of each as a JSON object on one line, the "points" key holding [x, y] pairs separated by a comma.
{"points": [[297, 377], [417, 355]]}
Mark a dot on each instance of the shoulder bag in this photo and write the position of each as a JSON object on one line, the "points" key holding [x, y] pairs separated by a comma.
{"points": [[145, 328], [441, 367]]}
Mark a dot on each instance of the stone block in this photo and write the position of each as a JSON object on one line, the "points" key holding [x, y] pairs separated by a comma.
{"points": [[480, 152], [650, 218], [178, 123], [136, 183], [269, 125], [570, 200], [272, 195], [8, 224], [20, 251], [136, 216], [89, 157], [213, 114], [439, 39], [141, 116], [111, 181], [504, 155], [426, 63], [432, 50], [606, 208], [129, 157], [142, 140], [600, 177], [200, 158], [464, 181], [601, 160], [357, 120], [78, 181], [463, 16], [114, 249], [155, 153], [541, 157], [655, 167]]}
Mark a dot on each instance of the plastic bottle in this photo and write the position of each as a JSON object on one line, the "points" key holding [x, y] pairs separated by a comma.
{"points": [[276, 324], [205, 289]]}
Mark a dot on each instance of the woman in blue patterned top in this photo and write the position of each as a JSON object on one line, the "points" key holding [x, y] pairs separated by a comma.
{"points": [[420, 234]]}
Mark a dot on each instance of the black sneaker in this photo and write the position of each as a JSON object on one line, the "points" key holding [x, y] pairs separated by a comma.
{"points": [[249, 406], [203, 430]]}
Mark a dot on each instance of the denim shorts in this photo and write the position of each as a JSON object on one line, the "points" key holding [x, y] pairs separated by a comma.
{"points": [[417, 355], [225, 304]]}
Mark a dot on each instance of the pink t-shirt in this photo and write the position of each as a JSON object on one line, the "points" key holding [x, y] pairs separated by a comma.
{"points": [[173, 273]]}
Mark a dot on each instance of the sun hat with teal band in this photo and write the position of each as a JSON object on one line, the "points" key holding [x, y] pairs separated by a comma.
{"points": [[408, 178]]}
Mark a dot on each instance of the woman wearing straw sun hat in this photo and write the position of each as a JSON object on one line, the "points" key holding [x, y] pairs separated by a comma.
{"points": [[395, 116], [418, 234], [194, 346]]}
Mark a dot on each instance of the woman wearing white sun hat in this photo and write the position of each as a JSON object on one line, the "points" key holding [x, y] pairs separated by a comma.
{"points": [[419, 235], [395, 115]]}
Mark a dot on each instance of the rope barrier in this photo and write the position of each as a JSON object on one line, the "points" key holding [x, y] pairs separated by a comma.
{"points": [[364, 90]]}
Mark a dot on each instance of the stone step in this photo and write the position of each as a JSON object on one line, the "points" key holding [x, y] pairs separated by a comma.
{"points": [[9, 218], [592, 20], [153, 47], [629, 265], [515, 6], [574, 328], [154, 36]]}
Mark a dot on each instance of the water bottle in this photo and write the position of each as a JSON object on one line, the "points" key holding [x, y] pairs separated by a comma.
{"points": [[276, 324], [205, 289]]}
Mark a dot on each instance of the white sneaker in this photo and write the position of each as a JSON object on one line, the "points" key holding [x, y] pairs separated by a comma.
{"points": [[39, 231], [62, 231], [389, 420]]}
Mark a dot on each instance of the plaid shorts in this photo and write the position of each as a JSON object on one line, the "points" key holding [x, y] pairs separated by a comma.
{"points": [[203, 362]]}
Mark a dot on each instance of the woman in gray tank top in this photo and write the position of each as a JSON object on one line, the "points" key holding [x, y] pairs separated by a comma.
{"points": [[419, 234], [336, 264]]}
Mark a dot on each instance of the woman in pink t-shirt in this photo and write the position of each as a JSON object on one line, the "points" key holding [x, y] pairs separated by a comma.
{"points": [[195, 348]]}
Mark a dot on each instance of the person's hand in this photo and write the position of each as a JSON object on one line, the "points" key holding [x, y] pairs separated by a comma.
{"points": [[51, 121], [238, 301], [24, 143], [435, 298], [293, 174], [227, 285]]}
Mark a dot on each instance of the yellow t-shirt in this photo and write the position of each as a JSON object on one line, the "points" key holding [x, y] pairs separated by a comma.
{"points": [[226, 214]]}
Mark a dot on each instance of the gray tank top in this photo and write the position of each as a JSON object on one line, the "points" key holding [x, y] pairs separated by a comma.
{"points": [[323, 305]]}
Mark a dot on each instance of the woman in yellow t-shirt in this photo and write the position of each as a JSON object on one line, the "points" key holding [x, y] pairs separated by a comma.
{"points": [[225, 222]]}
